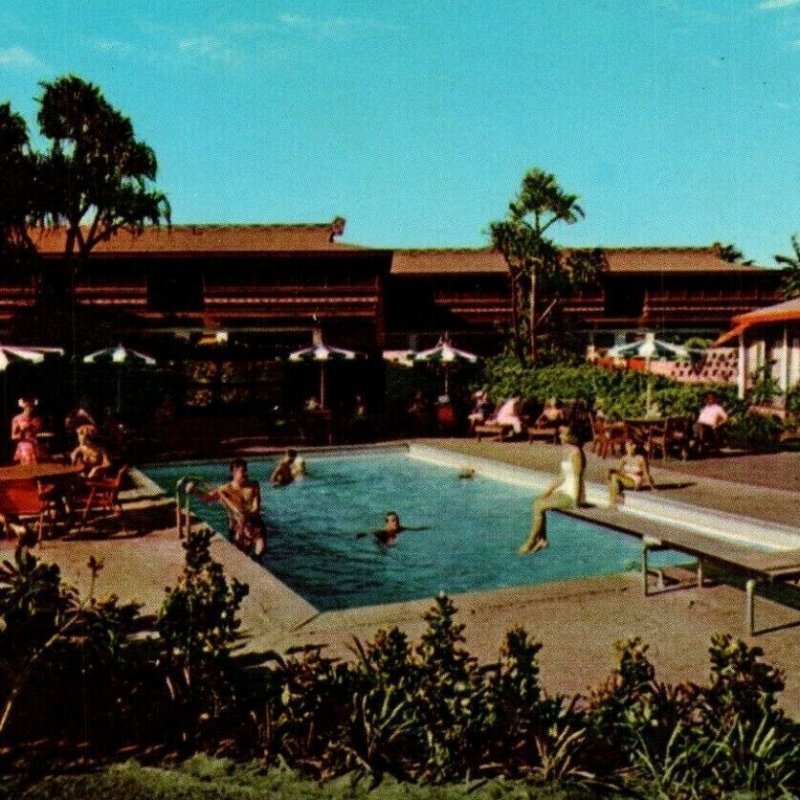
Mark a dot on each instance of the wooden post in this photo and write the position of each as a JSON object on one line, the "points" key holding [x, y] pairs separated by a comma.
{"points": [[750, 588], [741, 381], [700, 573]]}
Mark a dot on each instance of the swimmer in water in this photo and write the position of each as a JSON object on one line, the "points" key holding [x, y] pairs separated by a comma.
{"points": [[388, 533]]}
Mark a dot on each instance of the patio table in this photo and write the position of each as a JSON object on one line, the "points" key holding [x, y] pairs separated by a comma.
{"points": [[38, 491]]}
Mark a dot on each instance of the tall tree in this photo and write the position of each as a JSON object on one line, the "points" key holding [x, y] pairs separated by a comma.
{"points": [[98, 176], [790, 274], [533, 259], [18, 187]]}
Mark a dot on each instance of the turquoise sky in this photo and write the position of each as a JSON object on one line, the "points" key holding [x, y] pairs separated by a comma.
{"points": [[676, 121]]}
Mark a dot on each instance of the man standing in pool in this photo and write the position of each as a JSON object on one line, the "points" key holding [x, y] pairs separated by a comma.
{"points": [[387, 535], [241, 498], [567, 492]]}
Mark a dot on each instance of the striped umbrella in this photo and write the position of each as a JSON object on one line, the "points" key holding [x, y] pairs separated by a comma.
{"points": [[444, 353], [119, 357], [322, 354]]}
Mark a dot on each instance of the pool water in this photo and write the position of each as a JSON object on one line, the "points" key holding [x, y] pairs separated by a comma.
{"points": [[474, 527]]}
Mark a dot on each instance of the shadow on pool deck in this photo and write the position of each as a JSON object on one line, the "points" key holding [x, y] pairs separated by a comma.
{"points": [[577, 621]]}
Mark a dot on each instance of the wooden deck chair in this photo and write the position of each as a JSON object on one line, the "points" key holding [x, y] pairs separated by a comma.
{"points": [[101, 499]]}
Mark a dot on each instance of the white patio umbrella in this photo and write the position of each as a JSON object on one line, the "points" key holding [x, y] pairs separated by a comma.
{"points": [[120, 357], [649, 348], [402, 357], [10, 353], [444, 353], [322, 354]]}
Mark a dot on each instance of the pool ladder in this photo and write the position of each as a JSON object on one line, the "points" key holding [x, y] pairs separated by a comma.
{"points": [[183, 503]]}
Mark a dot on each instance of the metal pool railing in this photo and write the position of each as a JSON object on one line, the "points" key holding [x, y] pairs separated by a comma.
{"points": [[185, 487]]}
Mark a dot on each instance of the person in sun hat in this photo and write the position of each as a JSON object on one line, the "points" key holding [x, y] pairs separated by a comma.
{"points": [[24, 428], [566, 492]]}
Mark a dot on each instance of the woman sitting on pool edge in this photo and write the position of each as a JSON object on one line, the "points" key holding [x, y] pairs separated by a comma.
{"points": [[241, 498], [567, 492], [388, 533], [633, 471]]}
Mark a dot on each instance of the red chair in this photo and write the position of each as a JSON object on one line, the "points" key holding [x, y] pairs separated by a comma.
{"points": [[100, 498], [26, 501]]}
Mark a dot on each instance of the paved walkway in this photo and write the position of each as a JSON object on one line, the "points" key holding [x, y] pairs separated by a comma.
{"points": [[577, 621]]}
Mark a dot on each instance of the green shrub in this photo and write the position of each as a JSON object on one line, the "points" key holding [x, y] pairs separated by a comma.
{"points": [[621, 392], [750, 431]]}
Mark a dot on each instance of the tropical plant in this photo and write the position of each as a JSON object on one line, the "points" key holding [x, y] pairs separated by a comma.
{"points": [[763, 387], [18, 187], [790, 274], [731, 254], [533, 259], [198, 626], [97, 173]]}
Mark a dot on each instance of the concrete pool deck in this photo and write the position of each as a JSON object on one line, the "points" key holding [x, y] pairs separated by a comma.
{"points": [[577, 621]]}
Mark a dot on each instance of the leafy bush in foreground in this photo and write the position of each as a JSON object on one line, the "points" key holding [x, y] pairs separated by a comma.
{"points": [[426, 712]]}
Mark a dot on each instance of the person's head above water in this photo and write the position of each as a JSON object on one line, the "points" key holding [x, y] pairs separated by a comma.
{"points": [[291, 454], [392, 520], [238, 468]]}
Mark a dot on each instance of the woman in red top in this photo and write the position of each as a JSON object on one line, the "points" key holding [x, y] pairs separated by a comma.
{"points": [[24, 428]]}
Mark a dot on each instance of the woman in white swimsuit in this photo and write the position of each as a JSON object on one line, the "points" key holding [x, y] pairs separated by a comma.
{"points": [[567, 492]]}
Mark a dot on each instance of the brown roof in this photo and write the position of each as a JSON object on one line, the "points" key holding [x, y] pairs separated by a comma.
{"points": [[212, 239], [438, 261], [620, 259]]}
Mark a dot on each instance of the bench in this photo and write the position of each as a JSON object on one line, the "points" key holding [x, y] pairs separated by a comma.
{"points": [[547, 432], [496, 430], [756, 565]]}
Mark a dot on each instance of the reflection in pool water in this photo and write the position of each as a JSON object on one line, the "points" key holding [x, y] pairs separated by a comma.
{"points": [[474, 527]]}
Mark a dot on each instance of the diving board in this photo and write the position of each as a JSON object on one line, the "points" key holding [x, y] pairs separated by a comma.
{"points": [[757, 565]]}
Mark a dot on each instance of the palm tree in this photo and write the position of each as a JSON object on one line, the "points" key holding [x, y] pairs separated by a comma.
{"points": [[527, 251], [790, 274], [17, 187], [96, 173]]}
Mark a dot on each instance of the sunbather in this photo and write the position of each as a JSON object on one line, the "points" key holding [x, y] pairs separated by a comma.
{"points": [[509, 414], [89, 455], [632, 473]]}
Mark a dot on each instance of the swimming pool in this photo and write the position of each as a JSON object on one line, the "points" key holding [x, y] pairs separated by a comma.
{"points": [[474, 527]]}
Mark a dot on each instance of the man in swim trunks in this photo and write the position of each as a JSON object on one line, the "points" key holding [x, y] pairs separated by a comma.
{"points": [[241, 498]]}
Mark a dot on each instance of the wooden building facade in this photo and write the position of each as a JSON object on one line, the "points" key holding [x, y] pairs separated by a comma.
{"points": [[265, 290]]}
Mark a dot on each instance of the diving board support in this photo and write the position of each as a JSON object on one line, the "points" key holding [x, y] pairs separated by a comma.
{"points": [[750, 610], [754, 564]]}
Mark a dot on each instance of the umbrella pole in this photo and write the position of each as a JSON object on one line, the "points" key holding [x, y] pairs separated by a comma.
{"points": [[447, 381], [322, 385], [119, 390]]}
